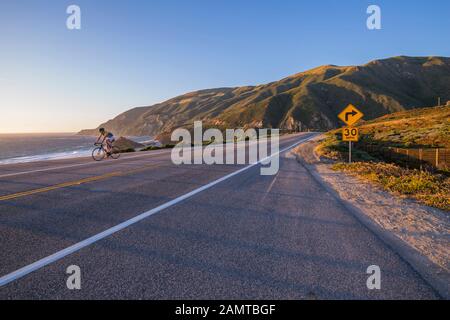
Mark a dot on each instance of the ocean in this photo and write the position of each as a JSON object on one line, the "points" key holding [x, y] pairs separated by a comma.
{"points": [[25, 147]]}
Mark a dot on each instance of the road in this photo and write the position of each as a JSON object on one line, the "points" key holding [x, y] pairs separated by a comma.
{"points": [[247, 237]]}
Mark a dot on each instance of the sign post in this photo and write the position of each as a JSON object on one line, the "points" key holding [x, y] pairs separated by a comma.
{"points": [[350, 116], [350, 134], [349, 152]]}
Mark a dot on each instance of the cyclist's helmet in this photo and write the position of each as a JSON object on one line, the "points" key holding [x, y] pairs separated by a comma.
{"points": [[101, 130]]}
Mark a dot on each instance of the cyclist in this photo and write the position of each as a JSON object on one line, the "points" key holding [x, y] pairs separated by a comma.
{"points": [[108, 136]]}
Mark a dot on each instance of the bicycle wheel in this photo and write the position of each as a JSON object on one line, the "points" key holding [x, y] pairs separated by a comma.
{"points": [[115, 153], [98, 154]]}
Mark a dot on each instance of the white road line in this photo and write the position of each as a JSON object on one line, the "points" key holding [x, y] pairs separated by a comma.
{"points": [[78, 165], [80, 245]]}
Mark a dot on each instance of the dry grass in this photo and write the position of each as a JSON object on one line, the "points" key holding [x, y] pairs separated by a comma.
{"points": [[425, 127], [430, 189]]}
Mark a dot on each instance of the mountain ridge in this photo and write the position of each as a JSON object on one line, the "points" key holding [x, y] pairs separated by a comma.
{"points": [[309, 99]]}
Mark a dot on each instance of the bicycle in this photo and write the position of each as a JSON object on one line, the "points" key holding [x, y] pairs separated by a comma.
{"points": [[99, 153]]}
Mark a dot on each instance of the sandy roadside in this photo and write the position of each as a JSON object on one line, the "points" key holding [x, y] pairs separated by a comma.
{"points": [[423, 228]]}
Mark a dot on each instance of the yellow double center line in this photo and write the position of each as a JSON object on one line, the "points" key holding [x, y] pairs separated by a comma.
{"points": [[71, 183]]}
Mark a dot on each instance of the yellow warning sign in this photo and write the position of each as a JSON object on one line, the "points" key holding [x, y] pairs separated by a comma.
{"points": [[350, 115], [350, 134]]}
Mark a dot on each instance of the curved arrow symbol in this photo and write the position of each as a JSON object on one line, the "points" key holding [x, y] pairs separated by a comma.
{"points": [[353, 113]]}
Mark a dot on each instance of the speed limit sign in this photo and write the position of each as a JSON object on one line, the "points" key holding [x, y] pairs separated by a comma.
{"points": [[350, 134]]}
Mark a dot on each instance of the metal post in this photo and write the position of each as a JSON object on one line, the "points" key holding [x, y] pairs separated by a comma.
{"points": [[349, 152]]}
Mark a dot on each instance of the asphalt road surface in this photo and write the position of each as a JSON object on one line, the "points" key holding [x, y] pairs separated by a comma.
{"points": [[246, 237]]}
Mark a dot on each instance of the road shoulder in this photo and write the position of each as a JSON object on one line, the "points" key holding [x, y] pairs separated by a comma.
{"points": [[418, 233]]}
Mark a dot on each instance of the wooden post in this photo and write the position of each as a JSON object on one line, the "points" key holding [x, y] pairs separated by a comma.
{"points": [[437, 157], [407, 159], [420, 158]]}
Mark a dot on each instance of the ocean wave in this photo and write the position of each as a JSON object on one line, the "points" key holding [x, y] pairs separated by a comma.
{"points": [[36, 147], [47, 156]]}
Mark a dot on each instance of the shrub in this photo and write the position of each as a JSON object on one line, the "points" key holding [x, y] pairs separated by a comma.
{"points": [[150, 148], [428, 188]]}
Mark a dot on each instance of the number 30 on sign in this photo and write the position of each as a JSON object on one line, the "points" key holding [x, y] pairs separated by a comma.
{"points": [[350, 134]]}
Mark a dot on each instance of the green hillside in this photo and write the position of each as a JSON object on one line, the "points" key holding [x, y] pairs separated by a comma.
{"points": [[307, 100]]}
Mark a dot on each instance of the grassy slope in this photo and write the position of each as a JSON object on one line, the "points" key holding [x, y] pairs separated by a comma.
{"points": [[427, 127], [421, 127]]}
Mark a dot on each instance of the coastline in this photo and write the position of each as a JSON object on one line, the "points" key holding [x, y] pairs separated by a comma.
{"points": [[25, 147]]}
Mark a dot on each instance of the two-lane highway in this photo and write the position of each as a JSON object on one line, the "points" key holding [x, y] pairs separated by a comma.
{"points": [[189, 231]]}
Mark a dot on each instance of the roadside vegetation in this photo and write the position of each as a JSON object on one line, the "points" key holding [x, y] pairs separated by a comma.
{"points": [[432, 189], [420, 128], [129, 150], [151, 148]]}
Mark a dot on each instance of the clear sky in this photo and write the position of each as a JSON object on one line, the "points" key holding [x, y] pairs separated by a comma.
{"points": [[133, 53]]}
